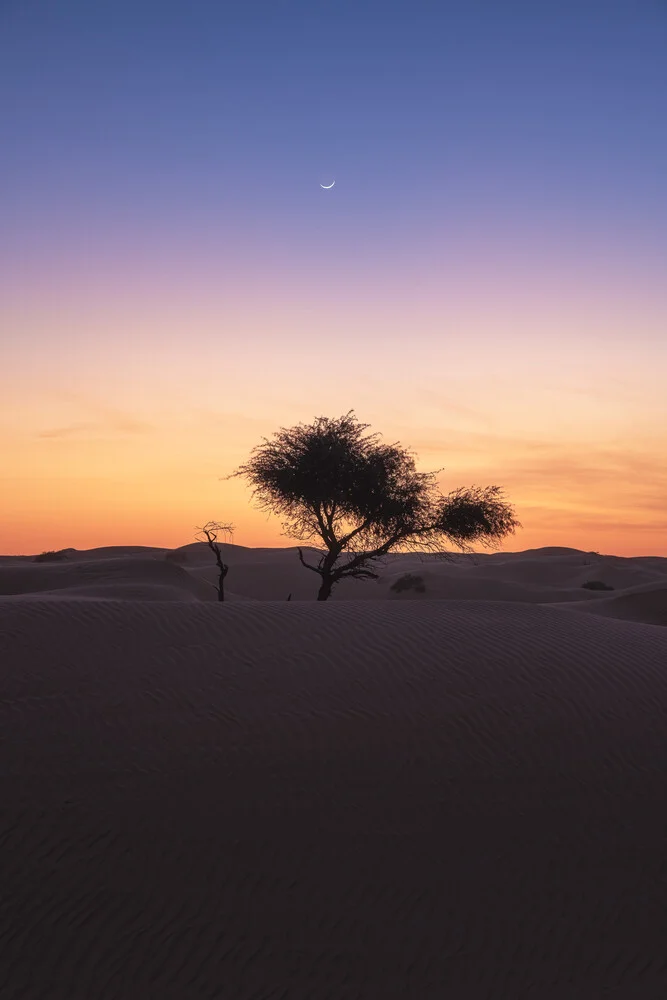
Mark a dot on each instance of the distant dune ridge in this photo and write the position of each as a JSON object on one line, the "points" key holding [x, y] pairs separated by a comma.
{"points": [[400, 793], [539, 576]]}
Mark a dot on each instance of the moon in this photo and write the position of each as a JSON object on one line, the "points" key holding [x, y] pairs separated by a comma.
{"points": [[327, 187]]}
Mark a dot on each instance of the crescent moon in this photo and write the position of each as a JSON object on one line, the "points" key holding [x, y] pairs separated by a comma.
{"points": [[327, 187]]}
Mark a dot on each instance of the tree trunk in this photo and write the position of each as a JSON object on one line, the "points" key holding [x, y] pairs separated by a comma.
{"points": [[325, 589], [221, 587]]}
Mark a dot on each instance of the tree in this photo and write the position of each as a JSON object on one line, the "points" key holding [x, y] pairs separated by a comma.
{"points": [[364, 499], [211, 530]]}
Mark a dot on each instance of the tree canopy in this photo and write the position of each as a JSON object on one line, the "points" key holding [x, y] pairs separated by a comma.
{"points": [[362, 498]]}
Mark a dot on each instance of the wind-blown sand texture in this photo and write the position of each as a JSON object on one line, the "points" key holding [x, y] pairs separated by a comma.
{"points": [[375, 798]]}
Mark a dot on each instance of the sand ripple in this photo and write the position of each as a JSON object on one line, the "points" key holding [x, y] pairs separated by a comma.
{"points": [[375, 800]]}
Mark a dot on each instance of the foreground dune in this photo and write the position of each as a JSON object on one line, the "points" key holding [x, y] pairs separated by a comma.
{"points": [[378, 799]]}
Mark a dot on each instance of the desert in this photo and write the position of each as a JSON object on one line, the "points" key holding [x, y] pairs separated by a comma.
{"points": [[333, 535], [398, 793]]}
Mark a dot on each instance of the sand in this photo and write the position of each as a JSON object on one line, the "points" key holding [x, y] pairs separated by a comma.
{"points": [[400, 795]]}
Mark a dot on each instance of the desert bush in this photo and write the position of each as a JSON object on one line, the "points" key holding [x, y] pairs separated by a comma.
{"points": [[409, 581], [51, 556], [596, 585]]}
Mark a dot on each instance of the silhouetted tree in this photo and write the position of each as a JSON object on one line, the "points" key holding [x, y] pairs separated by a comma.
{"points": [[363, 499], [211, 530]]}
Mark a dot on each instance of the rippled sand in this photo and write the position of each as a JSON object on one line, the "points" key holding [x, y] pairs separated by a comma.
{"points": [[360, 799]]}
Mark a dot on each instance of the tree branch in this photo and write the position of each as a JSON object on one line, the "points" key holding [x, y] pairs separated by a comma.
{"points": [[362, 527], [365, 573], [363, 557], [326, 533], [307, 565]]}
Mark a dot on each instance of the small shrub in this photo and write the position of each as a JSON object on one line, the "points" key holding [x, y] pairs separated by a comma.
{"points": [[596, 585], [51, 556], [409, 582]]}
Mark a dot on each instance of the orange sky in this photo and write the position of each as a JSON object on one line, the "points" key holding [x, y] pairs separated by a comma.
{"points": [[120, 438]]}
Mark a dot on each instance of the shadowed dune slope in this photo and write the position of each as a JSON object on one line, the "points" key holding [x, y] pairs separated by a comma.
{"points": [[571, 571], [128, 577], [464, 584], [346, 800], [259, 574], [641, 604]]}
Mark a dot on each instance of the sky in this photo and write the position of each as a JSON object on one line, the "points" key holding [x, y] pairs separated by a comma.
{"points": [[485, 283]]}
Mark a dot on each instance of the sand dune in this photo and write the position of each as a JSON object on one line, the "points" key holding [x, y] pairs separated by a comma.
{"points": [[125, 576], [345, 800], [539, 576], [570, 572], [647, 603], [468, 584]]}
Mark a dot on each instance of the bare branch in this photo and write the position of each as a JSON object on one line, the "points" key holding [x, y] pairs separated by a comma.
{"points": [[307, 565], [361, 574], [211, 530]]}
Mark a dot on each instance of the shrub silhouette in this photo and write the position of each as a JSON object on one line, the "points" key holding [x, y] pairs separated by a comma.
{"points": [[363, 499], [409, 582], [596, 585], [51, 556]]}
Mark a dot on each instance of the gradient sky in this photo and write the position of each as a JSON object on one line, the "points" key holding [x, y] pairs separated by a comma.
{"points": [[486, 283]]}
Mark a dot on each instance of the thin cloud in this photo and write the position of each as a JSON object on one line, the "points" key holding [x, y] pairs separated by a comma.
{"points": [[105, 418], [229, 419], [451, 407], [129, 425], [607, 480], [609, 387], [67, 431], [121, 425]]}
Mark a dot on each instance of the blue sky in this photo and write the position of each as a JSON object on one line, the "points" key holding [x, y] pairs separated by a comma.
{"points": [[414, 107]]}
